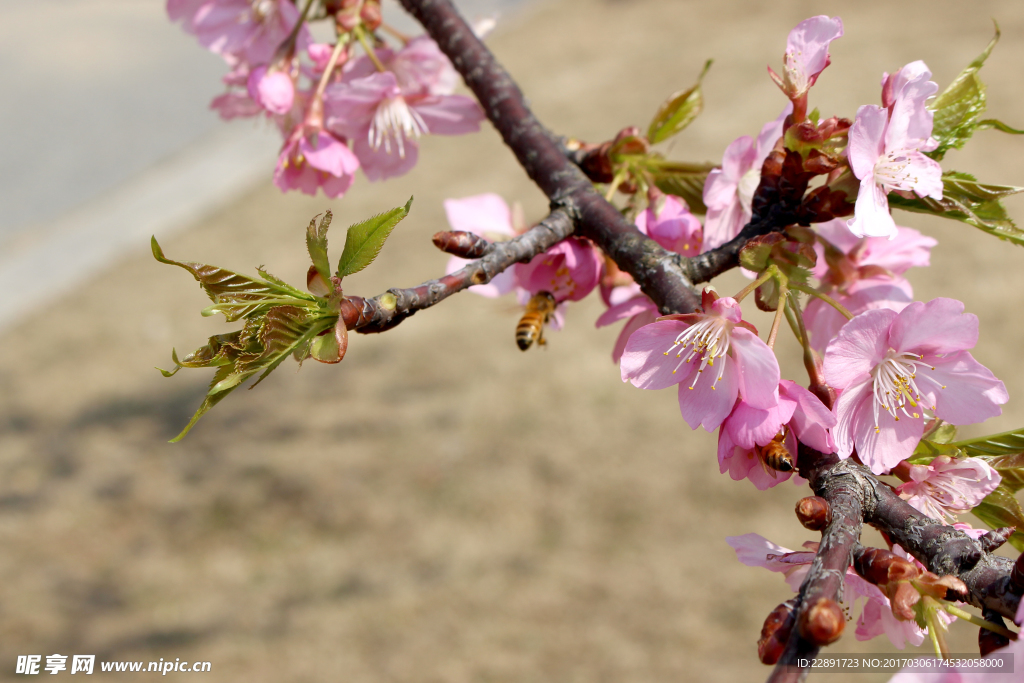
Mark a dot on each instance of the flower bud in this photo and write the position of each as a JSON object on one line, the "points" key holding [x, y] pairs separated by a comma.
{"points": [[370, 15], [814, 512], [823, 622], [881, 567], [463, 244], [996, 538], [775, 633]]}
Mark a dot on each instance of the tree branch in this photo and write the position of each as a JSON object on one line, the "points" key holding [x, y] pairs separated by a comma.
{"points": [[384, 311], [660, 273]]}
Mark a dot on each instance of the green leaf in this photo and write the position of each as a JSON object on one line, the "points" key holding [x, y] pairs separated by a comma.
{"points": [[682, 180], [1000, 508], [208, 402], [958, 107], [365, 239], [235, 295], [966, 200], [678, 111], [316, 244], [1004, 443]]}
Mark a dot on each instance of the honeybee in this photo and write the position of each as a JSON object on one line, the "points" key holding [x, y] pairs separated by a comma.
{"points": [[531, 325], [775, 457]]}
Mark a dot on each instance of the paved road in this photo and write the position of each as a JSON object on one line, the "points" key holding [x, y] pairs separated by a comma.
{"points": [[108, 137]]}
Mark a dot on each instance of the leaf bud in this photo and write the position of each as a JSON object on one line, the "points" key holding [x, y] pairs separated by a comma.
{"points": [[823, 622], [463, 244], [775, 633], [814, 512]]}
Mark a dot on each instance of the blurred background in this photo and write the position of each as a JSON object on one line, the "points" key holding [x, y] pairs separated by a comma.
{"points": [[440, 506]]}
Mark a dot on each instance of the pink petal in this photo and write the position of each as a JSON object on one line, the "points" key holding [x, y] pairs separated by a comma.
{"points": [[627, 309], [961, 390], [631, 326], [482, 214], [867, 140], [379, 164], [753, 549], [858, 348], [327, 153], [757, 369], [349, 107], [648, 361], [807, 50], [881, 445], [907, 249], [939, 326], [749, 426], [871, 216], [811, 419], [704, 404], [824, 322], [449, 114]]}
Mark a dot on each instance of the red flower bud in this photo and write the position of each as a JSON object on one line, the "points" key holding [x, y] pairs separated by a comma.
{"points": [[775, 633], [462, 244], [814, 512], [823, 622]]}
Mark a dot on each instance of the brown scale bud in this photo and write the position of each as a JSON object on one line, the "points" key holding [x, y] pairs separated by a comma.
{"points": [[462, 244], [988, 640], [996, 538], [823, 622], [881, 567], [814, 512], [1017, 574], [370, 14], [775, 633]]}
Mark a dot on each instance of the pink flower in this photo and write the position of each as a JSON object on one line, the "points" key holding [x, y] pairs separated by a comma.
{"points": [[747, 428], [949, 486], [486, 215], [668, 222], [910, 88], [273, 90], [318, 160], [384, 125], [236, 103], [569, 270], [862, 274], [885, 153], [239, 30], [891, 367], [694, 342], [729, 191], [806, 54]]}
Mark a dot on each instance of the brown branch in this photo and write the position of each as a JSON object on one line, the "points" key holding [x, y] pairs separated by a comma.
{"points": [[387, 310], [660, 273]]}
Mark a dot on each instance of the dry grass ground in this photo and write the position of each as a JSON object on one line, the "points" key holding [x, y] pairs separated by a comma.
{"points": [[441, 507]]}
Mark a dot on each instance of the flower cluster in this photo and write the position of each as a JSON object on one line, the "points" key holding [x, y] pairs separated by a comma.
{"points": [[337, 112]]}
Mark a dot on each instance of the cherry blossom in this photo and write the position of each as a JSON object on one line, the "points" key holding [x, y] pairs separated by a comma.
{"points": [[239, 30], [668, 222], [489, 216], [861, 274], [319, 160], [729, 190], [892, 367], [885, 151], [384, 124], [806, 54], [420, 68], [695, 342], [746, 429], [569, 270], [949, 486]]}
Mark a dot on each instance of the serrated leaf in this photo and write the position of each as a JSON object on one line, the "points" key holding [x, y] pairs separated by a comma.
{"points": [[261, 345], [966, 200], [364, 240], [678, 111], [958, 106], [316, 244], [1000, 509], [682, 180], [233, 294]]}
